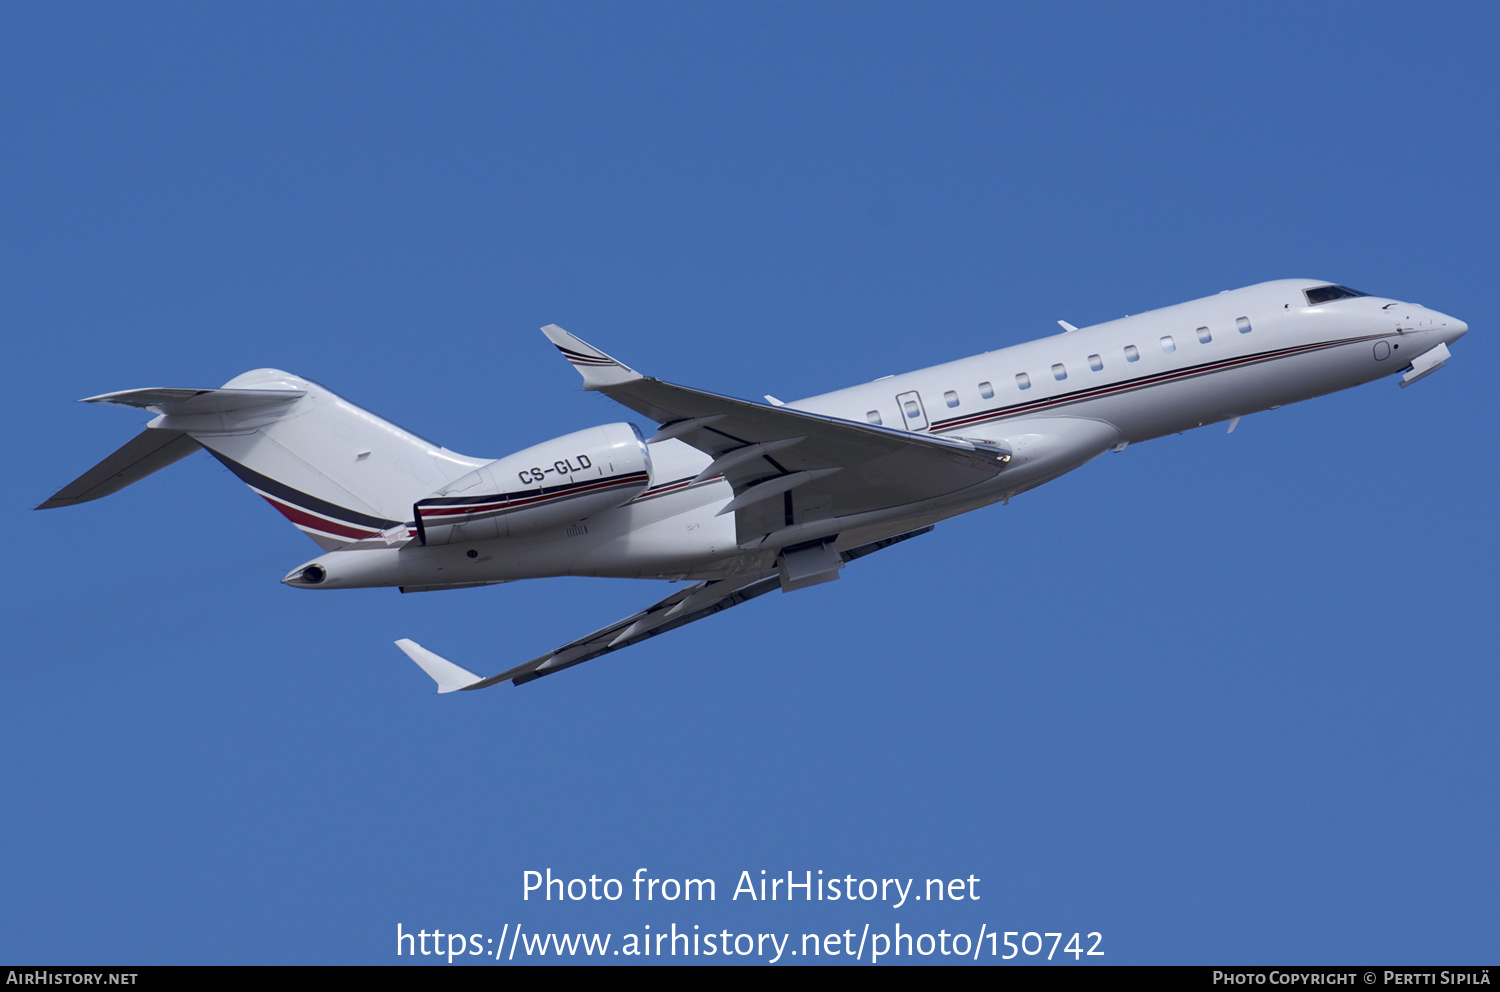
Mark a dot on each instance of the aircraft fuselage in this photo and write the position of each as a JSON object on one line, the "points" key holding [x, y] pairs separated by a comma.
{"points": [[1054, 403]]}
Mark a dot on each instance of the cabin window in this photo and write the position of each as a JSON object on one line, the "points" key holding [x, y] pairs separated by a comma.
{"points": [[986, 390], [1096, 363], [1059, 371], [1167, 344], [1243, 323], [1205, 335], [912, 410], [1131, 355], [1023, 380], [873, 417], [951, 397]]}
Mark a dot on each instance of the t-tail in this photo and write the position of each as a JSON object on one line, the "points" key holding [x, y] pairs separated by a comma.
{"points": [[338, 472]]}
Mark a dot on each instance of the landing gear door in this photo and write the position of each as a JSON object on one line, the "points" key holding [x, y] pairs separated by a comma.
{"points": [[913, 417]]}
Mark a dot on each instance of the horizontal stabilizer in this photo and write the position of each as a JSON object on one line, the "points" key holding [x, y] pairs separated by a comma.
{"points": [[448, 676], [148, 452], [180, 402]]}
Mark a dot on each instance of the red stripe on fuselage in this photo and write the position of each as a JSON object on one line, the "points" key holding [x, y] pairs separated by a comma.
{"points": [[1143, 383], [429, 512], [323, 525]]}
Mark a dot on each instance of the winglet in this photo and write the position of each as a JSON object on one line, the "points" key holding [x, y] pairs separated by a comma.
{"points": [[445, 673], [597, 368]]}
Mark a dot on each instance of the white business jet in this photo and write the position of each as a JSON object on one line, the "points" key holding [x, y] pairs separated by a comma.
{"points": [[743, 497]]}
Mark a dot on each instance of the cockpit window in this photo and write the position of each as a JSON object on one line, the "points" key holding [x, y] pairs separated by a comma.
{"points": [[1327, 294]]}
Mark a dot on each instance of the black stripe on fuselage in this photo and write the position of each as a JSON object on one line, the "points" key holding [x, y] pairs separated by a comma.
{"points": [[676, 486], [296, 497], [528, 497], [1141, 382]]}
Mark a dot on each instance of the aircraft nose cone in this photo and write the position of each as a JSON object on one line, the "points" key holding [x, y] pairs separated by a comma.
{"points": [[1455, 329]]}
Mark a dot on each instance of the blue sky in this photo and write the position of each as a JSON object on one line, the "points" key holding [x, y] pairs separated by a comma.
{"points": [[1223, 699]]}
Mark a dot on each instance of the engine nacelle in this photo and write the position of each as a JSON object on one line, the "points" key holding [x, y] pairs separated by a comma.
{"points": [[552, 484]]}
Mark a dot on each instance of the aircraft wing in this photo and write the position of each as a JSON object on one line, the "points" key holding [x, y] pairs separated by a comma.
{"points": [[788, 466], [681, 608]]}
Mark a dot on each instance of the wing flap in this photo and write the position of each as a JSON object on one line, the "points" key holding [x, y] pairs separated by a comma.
{"points": [[703, 599], [713, 597]]}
